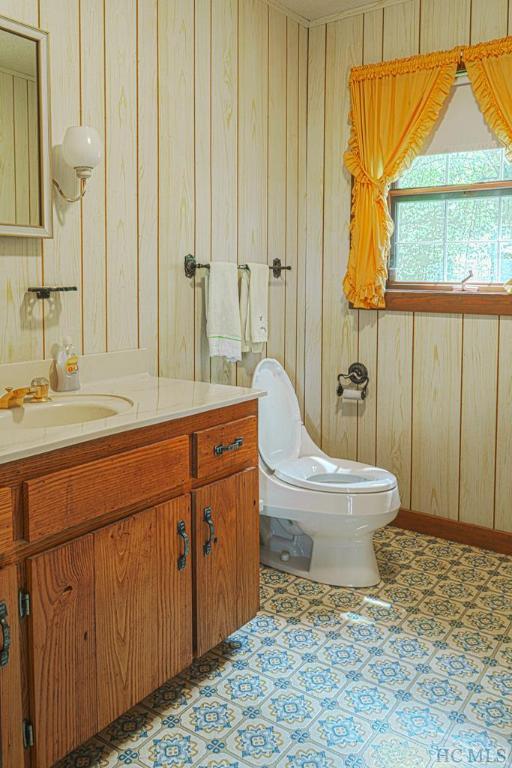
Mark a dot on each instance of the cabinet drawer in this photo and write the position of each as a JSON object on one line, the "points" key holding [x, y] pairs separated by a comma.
{"points": [[226, 447], [72, 496]]}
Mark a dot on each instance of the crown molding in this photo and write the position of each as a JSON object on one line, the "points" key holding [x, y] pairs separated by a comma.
{"points": [[377, 5], [280, 6]]}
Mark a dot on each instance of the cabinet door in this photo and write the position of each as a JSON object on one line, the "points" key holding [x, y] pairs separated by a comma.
{"points": [[143, 605], [11, 713], [226, 557], [111, 620], [62, 641], [248, 546]]}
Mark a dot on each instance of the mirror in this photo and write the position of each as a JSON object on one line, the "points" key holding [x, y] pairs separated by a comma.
{"points": [[25, 184]]}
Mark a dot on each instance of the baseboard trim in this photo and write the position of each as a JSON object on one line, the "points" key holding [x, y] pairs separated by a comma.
{"points": [[453, 530]]}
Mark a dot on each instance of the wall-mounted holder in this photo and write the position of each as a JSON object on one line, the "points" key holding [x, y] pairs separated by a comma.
{"points": [[358, 375], [191, 265], [45, 292]]}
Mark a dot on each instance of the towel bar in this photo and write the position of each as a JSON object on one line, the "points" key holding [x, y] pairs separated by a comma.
{"points": [[191, 265]]}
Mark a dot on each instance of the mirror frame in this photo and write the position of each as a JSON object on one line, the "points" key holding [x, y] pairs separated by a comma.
{"points": [[45, 228]]}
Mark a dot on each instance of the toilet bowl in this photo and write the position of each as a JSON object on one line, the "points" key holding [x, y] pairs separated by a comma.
{"points": [[318, 513]]}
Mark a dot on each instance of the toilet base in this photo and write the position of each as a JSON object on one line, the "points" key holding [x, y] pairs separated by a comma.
{"points": [[337, 563]]}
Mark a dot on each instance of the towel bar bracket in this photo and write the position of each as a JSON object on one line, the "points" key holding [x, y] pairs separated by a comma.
{"points": [[191, 265]]}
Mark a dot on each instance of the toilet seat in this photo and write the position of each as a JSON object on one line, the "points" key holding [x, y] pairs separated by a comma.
{"points": [[318, 473], [280, 440]]}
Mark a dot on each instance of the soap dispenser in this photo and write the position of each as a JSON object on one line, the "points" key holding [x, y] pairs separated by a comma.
{"points": [[65, 367]]}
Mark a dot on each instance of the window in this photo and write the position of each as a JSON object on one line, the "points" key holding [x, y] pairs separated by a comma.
{"points": [[453, 207]]}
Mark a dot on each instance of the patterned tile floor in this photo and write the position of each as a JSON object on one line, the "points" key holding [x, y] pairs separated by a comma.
{"points": [[413, 673]]}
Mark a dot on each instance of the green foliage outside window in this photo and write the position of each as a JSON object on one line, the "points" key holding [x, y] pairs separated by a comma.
{"points": [[439, 239]]}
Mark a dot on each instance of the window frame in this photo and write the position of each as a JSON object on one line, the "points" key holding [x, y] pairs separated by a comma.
{"points": [[490, 298]]}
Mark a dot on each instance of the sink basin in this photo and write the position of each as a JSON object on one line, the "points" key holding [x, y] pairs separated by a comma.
{"points": [[63, 410]]}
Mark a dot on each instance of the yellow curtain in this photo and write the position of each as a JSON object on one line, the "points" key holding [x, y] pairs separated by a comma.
{"points": [[394, 106], [489, 67]]}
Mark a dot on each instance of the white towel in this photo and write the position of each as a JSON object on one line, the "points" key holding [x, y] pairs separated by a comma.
{"points": [[223, 311], [254, 307]]}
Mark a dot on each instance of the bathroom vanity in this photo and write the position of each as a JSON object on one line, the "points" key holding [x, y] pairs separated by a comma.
{"points": [[127, 548]]}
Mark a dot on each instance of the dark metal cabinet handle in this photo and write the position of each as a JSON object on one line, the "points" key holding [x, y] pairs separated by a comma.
{"points": [[212, 539], [6, 633], [234, 446], [182, 533]]}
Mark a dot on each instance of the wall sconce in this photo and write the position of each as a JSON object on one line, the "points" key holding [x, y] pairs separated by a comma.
{"points": [[81, 150]]}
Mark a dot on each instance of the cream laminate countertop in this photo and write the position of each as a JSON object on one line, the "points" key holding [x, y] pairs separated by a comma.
{"points": [[155, 400]]}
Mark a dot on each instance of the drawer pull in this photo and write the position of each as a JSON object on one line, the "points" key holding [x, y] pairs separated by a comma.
{"points": [[182, 533], [212, 539], [6, 633], [234, 446]]}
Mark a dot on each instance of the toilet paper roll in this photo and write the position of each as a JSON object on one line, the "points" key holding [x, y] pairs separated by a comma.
{"points": [[352, 394]]}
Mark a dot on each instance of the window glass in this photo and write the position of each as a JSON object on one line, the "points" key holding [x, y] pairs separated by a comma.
{"points": [[441, 236]]}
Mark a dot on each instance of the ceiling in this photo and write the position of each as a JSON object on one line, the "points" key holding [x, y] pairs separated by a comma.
{"points": [[318, 9], [18, 54]]}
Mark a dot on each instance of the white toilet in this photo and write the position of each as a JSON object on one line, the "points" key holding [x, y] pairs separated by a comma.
{"points": [[318, 513]]}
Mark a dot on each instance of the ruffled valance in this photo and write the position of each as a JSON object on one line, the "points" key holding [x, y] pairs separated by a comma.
{"points": [[404, 66]]}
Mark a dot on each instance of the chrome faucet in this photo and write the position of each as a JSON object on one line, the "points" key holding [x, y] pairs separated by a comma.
{"points": [[36, 393]]}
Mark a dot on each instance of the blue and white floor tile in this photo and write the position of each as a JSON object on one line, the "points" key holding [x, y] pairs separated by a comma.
{"points": [[415, 672]]}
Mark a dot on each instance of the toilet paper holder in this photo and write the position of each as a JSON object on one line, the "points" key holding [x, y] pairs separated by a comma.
{"points": [[358, 375]]}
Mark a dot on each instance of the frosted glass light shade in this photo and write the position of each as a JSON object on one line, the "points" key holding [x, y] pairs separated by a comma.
{"points": [[81, 147]]}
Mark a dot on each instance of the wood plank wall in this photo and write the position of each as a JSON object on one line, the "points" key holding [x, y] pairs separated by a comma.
{"points": [[201, 105], [439, 413], [224, 125]]}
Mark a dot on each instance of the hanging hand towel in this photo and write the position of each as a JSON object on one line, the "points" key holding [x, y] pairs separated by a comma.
{"points": [[223, 311], [254, 307]]}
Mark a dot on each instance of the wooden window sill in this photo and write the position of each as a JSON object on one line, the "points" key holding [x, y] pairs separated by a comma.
{"points": [[458, 302]]}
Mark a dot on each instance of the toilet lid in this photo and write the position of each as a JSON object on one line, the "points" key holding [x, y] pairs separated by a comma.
{"points": [[280, 422]]}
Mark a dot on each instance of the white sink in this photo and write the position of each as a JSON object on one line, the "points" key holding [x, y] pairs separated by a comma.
{"points": [[63, 410]]}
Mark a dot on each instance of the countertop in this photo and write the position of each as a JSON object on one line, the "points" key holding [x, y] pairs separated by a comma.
{"points": [[155, 400]]}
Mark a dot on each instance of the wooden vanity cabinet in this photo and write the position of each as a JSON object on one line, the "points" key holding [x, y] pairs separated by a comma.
{"points": [[125, 596]]}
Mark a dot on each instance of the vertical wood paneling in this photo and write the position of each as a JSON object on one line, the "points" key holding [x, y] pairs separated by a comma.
{"points": [[436, 414], [503, 509], [224, 163], [176, 186], [62, 255], [22, 186], [315, 232], [276, 242], [395, 346], [367, 322], [394, 398], [203, 201], [94, 304], [7, 151], [147, 152], [302, 216], [339, 326], [372, 36], [401, 29], [121, 197], [443, 24], [478, 420], [292, 197], [33, 130], [253, 145], [488, 19]]}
